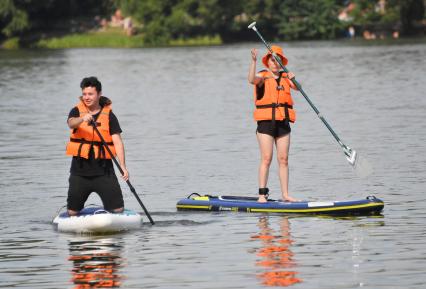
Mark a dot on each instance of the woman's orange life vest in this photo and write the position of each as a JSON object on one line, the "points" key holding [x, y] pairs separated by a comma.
{"points": [[84, 138], [276, 102]]}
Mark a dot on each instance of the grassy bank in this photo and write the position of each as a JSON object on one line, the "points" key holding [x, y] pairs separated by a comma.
{"points": [[11, 43], [111, 38], [198, 41]]}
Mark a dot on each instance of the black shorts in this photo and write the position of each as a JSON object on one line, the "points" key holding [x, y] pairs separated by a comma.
{"points": [[105, 186], [282, 128]]}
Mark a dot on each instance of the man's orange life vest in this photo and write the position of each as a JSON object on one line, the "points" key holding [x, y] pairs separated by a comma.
{"points": [[84, 137], [276, 103]]}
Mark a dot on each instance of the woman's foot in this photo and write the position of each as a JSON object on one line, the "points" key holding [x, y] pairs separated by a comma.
{"points": [[290, 199], [263, 195], [262, 199]]}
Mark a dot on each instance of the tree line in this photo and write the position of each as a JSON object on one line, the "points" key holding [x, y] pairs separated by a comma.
{"points": [[163, 20]]}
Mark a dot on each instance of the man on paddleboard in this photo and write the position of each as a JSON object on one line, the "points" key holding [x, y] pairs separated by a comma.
{"points": [[274, 112], [91, 166]]}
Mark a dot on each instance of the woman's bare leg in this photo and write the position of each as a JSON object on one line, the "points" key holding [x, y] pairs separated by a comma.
{"points": [[283, 146], [266, 146]]}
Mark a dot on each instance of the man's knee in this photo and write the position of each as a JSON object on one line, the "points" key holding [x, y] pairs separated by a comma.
{"points": [[119, 210], [72, 212]]}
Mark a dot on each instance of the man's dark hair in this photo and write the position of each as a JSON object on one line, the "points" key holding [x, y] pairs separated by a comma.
{"points": [[91, 81]]}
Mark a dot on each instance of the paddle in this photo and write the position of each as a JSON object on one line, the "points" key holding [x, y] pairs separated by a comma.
{"points": [[362, 167], [121, 171]]}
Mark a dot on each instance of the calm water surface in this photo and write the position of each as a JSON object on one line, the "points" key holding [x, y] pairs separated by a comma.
{"points": [[187, 127]]}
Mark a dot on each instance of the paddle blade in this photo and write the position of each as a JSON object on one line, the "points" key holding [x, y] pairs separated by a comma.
{"points": [[351, 155], [362, 167]]}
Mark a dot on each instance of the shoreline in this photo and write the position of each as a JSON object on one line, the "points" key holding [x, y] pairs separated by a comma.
{"points": [[113, 38]]}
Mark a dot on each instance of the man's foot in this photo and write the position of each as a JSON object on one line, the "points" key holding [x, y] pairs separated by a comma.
{"points": [[262, 199]]}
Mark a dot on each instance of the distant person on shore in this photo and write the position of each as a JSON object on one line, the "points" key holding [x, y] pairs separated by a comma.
{"points": [[274, 112], [351, 32], [103, 23], [91, 166], [369, 35], [117, 19], [128, 26], [395, 34]]}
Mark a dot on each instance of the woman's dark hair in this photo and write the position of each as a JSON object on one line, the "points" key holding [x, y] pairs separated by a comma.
{"points": [[91, 81]]}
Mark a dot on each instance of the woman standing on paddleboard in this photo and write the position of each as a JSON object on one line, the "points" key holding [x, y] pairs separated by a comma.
{"points": [[274, 112]]}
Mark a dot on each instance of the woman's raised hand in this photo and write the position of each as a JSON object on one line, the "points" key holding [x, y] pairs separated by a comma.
{"points": [[254, 54]]}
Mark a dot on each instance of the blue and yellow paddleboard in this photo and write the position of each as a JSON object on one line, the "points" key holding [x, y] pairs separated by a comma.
{"points": [[367, 206]]}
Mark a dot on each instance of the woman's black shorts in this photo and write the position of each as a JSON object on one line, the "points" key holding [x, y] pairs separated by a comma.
{"points": [[106, 186], [281, 128]]}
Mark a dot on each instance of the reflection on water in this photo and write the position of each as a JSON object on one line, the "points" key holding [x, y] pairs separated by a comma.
{"points": [[275, 256], [96, 262]]}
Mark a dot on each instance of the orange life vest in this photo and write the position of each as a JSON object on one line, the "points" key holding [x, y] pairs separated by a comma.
{"points": [[276, 103], [84, 138]]}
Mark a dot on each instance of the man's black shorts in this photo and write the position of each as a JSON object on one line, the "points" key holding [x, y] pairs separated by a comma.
{"points": [[106, 186], [281, 128]]}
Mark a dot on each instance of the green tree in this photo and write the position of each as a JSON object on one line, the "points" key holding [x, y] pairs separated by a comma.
{"points": [[305, 19], [366, 13], [163, 20], [17, 16], [220, 17], [295, 19], [407, 13], [152, 14], [267, 15], [411, 13], [12, 19]]}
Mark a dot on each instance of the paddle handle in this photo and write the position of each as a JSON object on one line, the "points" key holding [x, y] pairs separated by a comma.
{"points": [[132, 189]]}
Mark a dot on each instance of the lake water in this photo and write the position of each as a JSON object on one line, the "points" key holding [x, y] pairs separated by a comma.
{"points": [[186, 115]]}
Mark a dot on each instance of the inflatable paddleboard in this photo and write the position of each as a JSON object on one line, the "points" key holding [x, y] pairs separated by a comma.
{"points": [[369, 205], [97, 220]]}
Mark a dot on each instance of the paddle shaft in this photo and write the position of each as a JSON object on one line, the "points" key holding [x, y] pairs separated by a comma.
{"points": [[299, 87], [122, 172]]}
